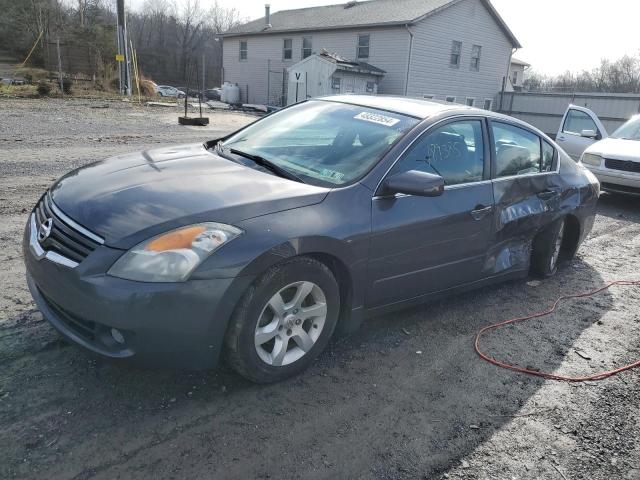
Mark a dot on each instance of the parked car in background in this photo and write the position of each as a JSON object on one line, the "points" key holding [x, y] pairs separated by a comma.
{"points": [[615, 161], [258, 245], [212, 93], [579, 129], [168, 91]]}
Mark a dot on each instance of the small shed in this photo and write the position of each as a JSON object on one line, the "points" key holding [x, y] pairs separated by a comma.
{"points": [[328, 73]]}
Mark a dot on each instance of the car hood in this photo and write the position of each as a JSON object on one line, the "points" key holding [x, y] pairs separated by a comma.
{"points": [[129, 198], [616, 148]]}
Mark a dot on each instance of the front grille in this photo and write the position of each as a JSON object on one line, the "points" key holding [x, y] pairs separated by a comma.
{"points": [[64, 239], [623, 165]]}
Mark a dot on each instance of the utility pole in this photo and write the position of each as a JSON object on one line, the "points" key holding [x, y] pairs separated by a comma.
{"points": [[123, 51], [60, 68], [203, 77]]}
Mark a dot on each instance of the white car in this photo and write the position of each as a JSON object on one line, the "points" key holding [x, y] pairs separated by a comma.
{"points": [[579, 129], [168, 91], [615, 161]]}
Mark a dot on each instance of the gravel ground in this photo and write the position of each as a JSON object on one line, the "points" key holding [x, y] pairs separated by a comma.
{"points": [[405, 397]]}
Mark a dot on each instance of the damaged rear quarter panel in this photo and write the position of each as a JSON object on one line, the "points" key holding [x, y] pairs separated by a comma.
{"points": [[524, 206]]}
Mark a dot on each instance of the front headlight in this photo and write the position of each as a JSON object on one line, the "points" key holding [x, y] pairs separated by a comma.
{"points": [[591, 159], [172, 256]]}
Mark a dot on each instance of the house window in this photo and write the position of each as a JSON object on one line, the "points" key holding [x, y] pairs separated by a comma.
{"points": [[371, 87], [428, 96], [470, 101], [475, 57], [488, 103], [287, 49], [456, 53], [307, 47], [514, 81], [335, 83], [451, 99], [363, 46], [243, 50]]}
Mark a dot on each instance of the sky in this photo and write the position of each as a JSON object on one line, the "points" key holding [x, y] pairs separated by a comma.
{"points": [[557, 35]]}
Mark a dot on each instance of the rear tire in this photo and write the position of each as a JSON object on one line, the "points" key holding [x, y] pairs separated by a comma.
{"points": [[547, 249], [283, 321]]}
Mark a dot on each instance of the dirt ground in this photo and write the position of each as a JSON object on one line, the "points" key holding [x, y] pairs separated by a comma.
{"points": [[405, 397]]}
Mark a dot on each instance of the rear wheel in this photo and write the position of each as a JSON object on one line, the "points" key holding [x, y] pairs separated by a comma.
{"points": [[547, 247], [283, 321]]}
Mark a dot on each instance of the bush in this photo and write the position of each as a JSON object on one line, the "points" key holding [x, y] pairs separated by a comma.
{"points": [[44, 88]]}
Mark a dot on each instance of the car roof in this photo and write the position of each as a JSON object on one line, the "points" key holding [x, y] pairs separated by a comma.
{"points": [[415, 107]]}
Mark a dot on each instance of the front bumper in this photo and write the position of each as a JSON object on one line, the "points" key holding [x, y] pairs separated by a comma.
{"points": [[179, 325], [616, 180]]}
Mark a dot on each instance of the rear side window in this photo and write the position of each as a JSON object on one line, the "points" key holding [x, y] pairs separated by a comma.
{"points": [[578, 121], [454, 151], [548, 153], [518, 151]]}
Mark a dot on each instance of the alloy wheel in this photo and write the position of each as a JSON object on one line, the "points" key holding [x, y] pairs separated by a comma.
{"points": [[290, 323], [557, 247]]}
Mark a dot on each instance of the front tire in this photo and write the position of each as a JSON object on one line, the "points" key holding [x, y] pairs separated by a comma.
{"points": [[547, 249], [284, 321]]}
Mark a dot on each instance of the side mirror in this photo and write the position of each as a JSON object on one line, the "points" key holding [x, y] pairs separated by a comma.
{"points": [[414, 182], [590, 134]]}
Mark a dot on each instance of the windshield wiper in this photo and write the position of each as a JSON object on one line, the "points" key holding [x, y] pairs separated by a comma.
{"points": [[263, 162]]}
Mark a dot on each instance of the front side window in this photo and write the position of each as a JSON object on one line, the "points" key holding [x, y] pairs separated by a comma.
{"points": [[371, 87], [335, 83], [307, 47], [475, 57], [243, 50], [324, 143], [456, 53], [287, 49], [363, 46], [517, 150], [577, 121], [454, 151]]}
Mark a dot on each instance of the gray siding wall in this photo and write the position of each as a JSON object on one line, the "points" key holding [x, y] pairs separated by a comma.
{"points": [[470, 23], [388, 50]]}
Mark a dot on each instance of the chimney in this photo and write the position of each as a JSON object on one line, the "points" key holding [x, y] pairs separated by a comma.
{"points": [[267, 16]]}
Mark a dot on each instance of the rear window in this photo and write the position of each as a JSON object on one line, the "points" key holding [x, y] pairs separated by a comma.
{"points": [[324, 143]]}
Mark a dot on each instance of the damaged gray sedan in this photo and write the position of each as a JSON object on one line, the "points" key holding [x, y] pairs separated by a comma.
{"points": [[259, 246]]}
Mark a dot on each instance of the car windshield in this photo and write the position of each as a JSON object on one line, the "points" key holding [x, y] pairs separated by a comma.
{"points": [[322, 142], [630, 130]]}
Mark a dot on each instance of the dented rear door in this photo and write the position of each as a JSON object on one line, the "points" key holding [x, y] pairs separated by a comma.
{"points": [[527, 193]]}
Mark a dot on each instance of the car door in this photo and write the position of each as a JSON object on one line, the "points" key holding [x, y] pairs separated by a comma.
{"points": [[579, 129], [421, 245], [527, 192]]}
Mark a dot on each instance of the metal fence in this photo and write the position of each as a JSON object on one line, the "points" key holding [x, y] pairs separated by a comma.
{"points": [[277, 86], [545, 110]]}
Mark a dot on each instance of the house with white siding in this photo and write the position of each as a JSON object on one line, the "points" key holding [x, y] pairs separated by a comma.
{"points": [[516, 75], [455, 50]]}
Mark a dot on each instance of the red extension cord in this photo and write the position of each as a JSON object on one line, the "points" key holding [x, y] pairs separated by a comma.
{"points": [[551, 376]]}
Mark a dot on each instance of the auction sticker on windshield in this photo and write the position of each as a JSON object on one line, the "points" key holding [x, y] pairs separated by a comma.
{"points": [[377, 118]]}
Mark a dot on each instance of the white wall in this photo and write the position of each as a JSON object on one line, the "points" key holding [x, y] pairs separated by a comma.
{"points": [[514, 67], [388, 51], [470, 23]]}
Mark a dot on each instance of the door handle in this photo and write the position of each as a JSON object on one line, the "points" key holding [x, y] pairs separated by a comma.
{"points": [[480, 212], [547, 194]]}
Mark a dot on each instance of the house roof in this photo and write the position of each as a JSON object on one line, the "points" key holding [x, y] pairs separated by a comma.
{"points": [[515, 61], [352, 66], [357, 14]]}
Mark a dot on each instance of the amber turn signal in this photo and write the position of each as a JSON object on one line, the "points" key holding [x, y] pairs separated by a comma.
{"points": [[176, 239]]}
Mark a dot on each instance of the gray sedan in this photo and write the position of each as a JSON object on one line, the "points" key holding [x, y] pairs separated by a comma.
{"points": [[262, 245]]}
